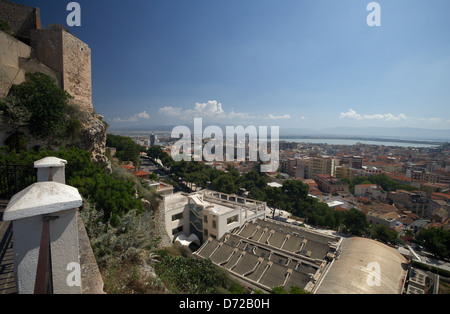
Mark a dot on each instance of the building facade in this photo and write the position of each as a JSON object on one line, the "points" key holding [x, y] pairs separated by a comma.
{"points": [[208, 213]]}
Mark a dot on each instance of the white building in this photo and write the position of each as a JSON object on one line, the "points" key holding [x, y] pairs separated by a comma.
{"points": [[370, 190], [208, 213]]}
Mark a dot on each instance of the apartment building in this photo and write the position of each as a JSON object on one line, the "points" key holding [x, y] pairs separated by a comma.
{"points": [[331, 185], [376, 218], [352, 161], [296, 167], [372, 191], [345, 172], [321, 165]]}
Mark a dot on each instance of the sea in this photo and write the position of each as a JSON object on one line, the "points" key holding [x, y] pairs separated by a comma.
{"points": [[335, 141]]}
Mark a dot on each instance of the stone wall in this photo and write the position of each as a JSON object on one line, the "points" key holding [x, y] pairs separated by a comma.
{"points": [[15, 62], [20, 18], [68, 55], [47, 48], [77, 78], [11, 50]]}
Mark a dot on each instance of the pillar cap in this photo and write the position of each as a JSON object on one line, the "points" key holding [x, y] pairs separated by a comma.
{"points": [[50, 162], [42, 198]]}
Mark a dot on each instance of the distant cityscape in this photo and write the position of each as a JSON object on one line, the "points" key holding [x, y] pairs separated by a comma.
{"points": [[338, 173]]}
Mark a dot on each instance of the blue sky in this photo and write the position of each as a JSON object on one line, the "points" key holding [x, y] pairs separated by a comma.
{"points": [[291, 63]]}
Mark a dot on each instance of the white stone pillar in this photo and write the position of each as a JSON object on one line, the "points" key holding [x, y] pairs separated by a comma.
{"points": [[51, 169], [27, 210]]}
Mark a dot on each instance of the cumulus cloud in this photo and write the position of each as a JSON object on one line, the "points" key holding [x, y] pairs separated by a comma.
{"points": [[353, 115], [133, 118], [210, 109], [143, 115], [171, 111]]}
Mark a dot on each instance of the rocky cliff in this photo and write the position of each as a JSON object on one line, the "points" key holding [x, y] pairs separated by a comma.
{"points": [[27, 48]]}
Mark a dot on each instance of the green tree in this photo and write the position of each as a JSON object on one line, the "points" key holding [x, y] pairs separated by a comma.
{"points": [[279, 290], [355, 222], [436, 241], [127, 149], [46, 103], [225, 184], [384, 234]]}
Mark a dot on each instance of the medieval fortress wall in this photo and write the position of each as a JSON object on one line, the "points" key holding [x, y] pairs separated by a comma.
{"points": [[53, 51]]}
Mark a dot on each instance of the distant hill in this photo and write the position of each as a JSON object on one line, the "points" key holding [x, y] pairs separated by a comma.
{"points": [[403, 133], [387, 133]]}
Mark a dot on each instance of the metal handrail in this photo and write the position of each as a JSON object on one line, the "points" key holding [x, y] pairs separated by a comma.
{"points": [[13, 178]]}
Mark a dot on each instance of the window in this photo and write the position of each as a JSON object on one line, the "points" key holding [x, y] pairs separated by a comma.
{"points": [[205, 232], [214, 224], [232, 219], [205, 219], [177, 217], [177, 230]]}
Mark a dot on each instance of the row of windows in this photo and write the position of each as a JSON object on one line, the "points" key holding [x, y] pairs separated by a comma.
{"points": [[205, 219]]}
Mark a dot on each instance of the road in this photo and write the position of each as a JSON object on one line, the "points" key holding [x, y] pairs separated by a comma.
{"points": [[426, 260], [148, 166]]}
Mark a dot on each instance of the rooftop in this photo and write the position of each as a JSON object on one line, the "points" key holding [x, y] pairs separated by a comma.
{"points": [[266, 254], [353, 272]]}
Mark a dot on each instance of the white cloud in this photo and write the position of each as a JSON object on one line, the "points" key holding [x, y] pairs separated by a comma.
{"points": [[133, 118], [171, 111], [143, 115], [353, 115], [272, 117], [210, 109]]}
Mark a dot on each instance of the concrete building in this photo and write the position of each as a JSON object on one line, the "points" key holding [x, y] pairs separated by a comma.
{"points": [[345, 172], [208, 213], [328, 184], [352, 162], [372, 191], [415, 201], [321, 165], [296, 167], [153, 139], [376, 218], [264, 254]]}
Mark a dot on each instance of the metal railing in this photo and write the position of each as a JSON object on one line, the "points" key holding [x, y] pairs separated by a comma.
{"points": [[14, 178]]}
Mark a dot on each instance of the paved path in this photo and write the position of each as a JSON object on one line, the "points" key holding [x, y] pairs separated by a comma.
{"points": [[7, 281]]}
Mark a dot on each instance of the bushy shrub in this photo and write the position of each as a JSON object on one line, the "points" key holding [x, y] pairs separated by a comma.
{"points": [[45, 101], [190, 275]]}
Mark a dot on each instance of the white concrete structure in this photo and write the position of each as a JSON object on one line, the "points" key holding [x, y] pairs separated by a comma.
{"points": [[208, 213], [50, 201], [51, 169], [370, 190]]}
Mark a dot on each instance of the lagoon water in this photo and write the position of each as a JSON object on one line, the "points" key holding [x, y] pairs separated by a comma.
{"points": [[335, 141]]}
